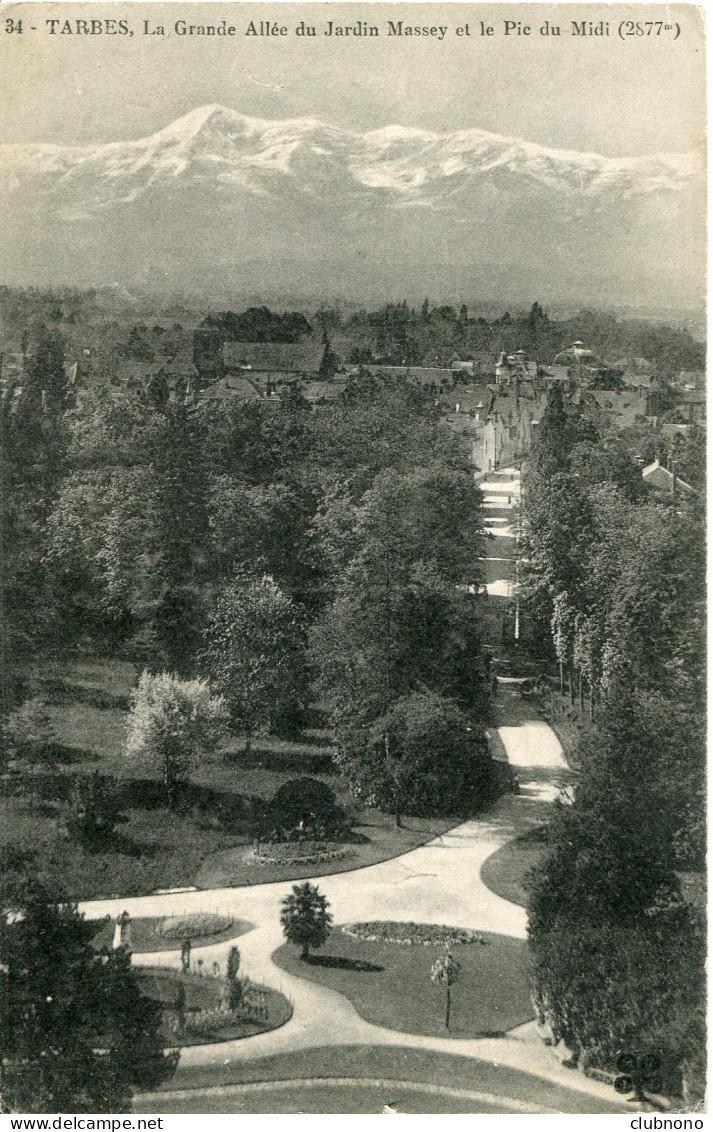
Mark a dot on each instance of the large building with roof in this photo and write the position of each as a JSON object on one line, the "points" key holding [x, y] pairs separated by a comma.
{"points": [[285, 357], [582, 366]]}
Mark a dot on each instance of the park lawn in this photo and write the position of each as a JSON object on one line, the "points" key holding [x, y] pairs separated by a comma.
{"points": [[160, 849], [390, 984], [379, 839], [505, 872], [93, 677], [156, 849], [206, 843], [323, 1096], [387, 1063]]}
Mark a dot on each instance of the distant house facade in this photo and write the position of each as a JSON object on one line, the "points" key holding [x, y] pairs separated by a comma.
{"points": [[691, 379], [233, 389], [496, 426], [437, 377], [513, 369], [324, 392], [692, 406], [462, 368], [623, 409]]}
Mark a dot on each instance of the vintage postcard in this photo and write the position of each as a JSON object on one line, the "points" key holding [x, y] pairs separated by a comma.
{"points": [[352, 727]]}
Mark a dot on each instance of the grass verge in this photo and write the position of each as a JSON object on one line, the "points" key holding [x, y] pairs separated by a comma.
{"points": [[390, 985], [400, 1063], [505, 871], [208, 842], [379, 840]]}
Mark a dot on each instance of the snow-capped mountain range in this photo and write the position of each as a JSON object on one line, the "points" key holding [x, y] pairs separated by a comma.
{"points": [[215, 189]]}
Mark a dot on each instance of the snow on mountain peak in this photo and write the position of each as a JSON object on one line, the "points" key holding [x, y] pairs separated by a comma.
{"points": [[212, 115], [216, 189], [218, 146]]}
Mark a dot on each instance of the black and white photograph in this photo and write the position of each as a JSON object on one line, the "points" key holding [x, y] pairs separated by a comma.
{"points": [[352, 561]]}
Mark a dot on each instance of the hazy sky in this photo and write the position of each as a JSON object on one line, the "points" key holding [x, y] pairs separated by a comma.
{"points": [[599, 94]]}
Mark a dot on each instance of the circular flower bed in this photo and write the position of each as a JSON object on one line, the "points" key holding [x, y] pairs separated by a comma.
{"points": [[204, 1016], [395, 931], [199, 925], [146, 937], [299, 853]]}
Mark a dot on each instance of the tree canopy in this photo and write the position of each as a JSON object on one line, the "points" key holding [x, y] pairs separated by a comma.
{"points": [[421, 756], [254, 652], [614, 578], [305, 918], [76, 1033]]}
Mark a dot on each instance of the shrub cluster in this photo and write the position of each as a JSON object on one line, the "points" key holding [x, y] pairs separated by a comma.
{"points": [[306, 809], [95, 811]]}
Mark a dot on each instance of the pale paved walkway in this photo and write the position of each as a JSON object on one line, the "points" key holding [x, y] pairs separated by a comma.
{"points": [[502, 588], [438, 882], [500, 526]]}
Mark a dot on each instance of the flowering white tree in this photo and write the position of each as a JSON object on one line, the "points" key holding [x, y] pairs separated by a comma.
{"points": [[171, 722]]}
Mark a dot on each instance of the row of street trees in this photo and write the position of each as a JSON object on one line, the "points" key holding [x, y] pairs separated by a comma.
{"points": [[614, 591]]}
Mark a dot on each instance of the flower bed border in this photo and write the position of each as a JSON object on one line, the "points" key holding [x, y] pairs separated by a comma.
{"points": [[185, 934], [189, 1040], [308, 859], [145, 942], [476, 937]]}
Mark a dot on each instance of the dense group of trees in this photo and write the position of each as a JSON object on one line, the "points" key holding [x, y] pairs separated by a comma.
{"points": [[397, 651], [259, 324], [614, 582], [76, 1033], [253, 556], [258, 547], [34, 438], [255, 654], [615, 573], [403, 335], [144, 342], [245, 556]]}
